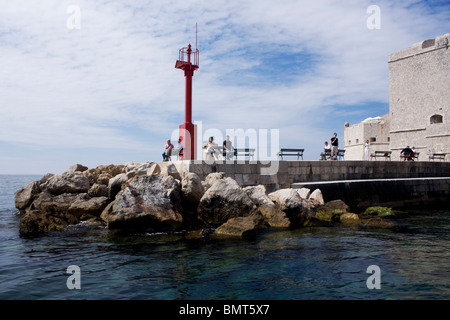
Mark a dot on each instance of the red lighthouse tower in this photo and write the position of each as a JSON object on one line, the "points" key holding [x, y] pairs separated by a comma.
{"points": [[188, 61]]}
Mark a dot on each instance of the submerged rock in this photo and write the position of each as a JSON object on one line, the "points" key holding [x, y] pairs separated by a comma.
{"points": [[349, 218], [239, 227], [379, 212]]}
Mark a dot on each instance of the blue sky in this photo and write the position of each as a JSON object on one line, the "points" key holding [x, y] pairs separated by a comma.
{"points": [[109, 93]]}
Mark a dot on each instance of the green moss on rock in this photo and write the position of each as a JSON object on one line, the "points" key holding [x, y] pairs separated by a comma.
{"points": [[379, 212]]}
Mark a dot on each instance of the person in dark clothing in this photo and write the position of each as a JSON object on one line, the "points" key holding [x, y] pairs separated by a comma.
{"points": [[227, 148], [334, 147], [408, 153]]}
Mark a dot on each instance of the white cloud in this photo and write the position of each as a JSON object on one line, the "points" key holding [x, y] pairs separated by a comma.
{"points": [[113, 83]]}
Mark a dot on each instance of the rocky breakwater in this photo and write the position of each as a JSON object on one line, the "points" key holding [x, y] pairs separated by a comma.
{"points": [[157, 197]]}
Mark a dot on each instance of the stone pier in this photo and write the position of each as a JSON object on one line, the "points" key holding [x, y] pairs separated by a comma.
{"points": [[282, 174], [360, 183]]}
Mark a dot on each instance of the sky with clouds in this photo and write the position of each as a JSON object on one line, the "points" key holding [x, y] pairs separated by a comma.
{"points": [[108, 92]]}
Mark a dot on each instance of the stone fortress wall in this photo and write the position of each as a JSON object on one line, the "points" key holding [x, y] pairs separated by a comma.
{"points": [[419, 103]]}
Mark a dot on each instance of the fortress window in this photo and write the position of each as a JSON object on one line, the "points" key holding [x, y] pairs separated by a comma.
{"points": [[437, 118], [357, 140], [373, 139]]}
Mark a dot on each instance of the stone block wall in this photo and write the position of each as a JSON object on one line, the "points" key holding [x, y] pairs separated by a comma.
{"points": [[283, 173]]}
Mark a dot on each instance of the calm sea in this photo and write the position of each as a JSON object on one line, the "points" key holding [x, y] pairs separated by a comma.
{"points": [[309, 263]]}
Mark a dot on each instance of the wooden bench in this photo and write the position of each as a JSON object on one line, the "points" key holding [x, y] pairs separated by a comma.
{"points": [[415, 156], [439, 156], [326, 154], [291, 152], [381, 154], [244, 152]]}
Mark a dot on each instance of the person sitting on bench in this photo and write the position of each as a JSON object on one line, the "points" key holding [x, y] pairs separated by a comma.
{"points": [[167, 150], [180, 147], [228, 149], [408, 153], [213, 148]]}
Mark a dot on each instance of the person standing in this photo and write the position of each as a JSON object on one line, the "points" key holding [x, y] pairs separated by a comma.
{"points": [[334, 146], [366, 150]]}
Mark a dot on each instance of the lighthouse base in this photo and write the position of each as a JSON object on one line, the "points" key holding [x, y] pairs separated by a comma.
{"points": [[188, 135]]}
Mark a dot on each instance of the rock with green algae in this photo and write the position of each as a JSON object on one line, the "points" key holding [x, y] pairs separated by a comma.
{"points": [[378, 212]]}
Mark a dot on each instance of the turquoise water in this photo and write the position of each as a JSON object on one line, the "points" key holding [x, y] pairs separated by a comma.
{"points": [[308, 263]]}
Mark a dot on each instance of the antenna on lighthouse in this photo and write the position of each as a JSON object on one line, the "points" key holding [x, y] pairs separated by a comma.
{"points": [[196, 36]]}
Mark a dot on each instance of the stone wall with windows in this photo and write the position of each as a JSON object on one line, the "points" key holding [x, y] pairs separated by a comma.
{"points": [[419, 99]]}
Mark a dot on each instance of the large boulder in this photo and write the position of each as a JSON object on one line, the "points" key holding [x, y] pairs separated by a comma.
{"points": [[271, 212], [54, 212], [211, 178], [68, 182], [169, 169], [106, 172], [47, 213], [25, 196], [191, 190], [304, 193], [224, 200], [115, 184], [298, 210], [146, 203], [98, 190], [84, 207], [316, 197], [77, 167], [34, 223]]}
